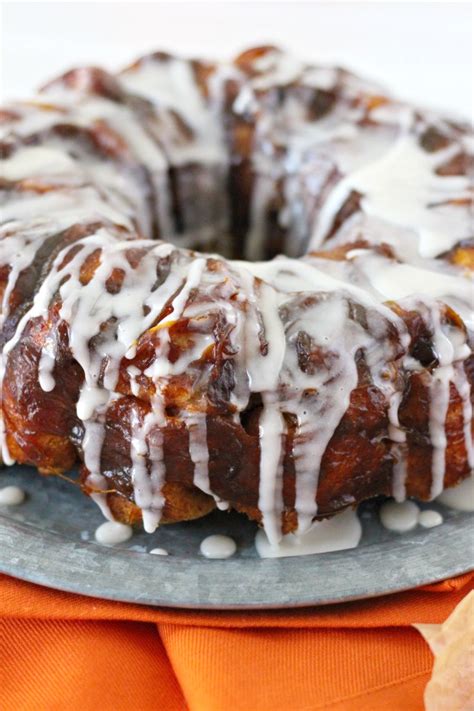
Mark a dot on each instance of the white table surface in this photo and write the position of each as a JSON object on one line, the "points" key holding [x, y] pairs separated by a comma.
{"points": [[421, 50]]}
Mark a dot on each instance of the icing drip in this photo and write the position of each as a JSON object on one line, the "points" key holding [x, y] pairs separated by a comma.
{"points": [[147, 483], [449, 349], [398, 449], [270, 500], [439, 402], [261, 196], [464, 389], [7, 459], [198, 450], [45, 371], [399, 472], [92, 448]]}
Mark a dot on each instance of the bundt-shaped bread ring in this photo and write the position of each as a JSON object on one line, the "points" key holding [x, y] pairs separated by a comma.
{"points": [[286, 389]]}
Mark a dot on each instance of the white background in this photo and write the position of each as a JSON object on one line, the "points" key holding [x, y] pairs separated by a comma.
{"points": [[421, 50]]}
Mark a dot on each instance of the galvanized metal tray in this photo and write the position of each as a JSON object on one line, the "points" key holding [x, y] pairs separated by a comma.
{"points": [[49, 540]]}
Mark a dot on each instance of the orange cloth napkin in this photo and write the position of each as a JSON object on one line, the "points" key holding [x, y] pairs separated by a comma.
{"points": [[65, 652]]}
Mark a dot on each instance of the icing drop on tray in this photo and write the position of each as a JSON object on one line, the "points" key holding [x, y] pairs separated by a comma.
{"points": [[111, 533], [429, 518], [399, 516], [460, 497], [11, 496], [218, 546], [341, 532]]}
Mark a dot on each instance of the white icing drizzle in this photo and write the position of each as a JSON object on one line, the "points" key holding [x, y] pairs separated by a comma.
{"points": [[40, 162], [45, 370], [277, 314], [399, 472], [341, 532], [276, 69], [18, 251], [439, 402], [398, 449], [263, 190], [198, 450], [170, 85], [270, 500], [326, 322], [7, 459], [464, 389], [401, 189], [218, 547], [146, 488], [11, 496], [92, 449], [324, 78], [149, 440]]}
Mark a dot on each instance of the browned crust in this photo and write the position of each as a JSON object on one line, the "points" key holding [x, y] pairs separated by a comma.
{"points": [[43, 429]]}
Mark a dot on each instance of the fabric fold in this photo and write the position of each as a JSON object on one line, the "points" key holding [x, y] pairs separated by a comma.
{"points": [[63, 651]]}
